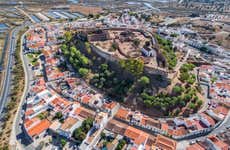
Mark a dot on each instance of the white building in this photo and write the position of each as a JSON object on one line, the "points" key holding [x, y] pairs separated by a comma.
{"points": [[149, 52]]}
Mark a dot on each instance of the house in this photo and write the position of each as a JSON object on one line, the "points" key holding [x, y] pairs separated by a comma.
{"points": [[207, 120], [165, 143], [37, 128], [84, 113], [122, 114], [149, 52], [111, 107], [218, 144], [195, 146], [100, 120], [149, 122], [68, 127], [137, 136], [116, 127]]}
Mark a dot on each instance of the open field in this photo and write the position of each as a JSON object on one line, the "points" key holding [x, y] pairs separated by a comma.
{"points": [[85, 10]]}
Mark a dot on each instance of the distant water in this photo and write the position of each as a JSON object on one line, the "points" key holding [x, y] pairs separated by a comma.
{"points": [[73, 1], [3, 26]]}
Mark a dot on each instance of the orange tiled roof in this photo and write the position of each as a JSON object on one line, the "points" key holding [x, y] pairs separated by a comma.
{"points": [[86, 99], [29, 122], [136, 135], [218, 143], [29, 112], [164, 127], [39, 128], [209, 119], [109, 105], [122, 114], [84, 113], [68, 123], [165, 143], [179, 131], [195, 147], [221, 109]]}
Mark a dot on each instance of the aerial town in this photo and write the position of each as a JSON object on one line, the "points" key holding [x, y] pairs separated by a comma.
{"points": [[115, 75]]}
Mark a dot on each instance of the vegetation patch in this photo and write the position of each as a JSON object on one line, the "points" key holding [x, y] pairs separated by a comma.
{"points": [[15, 95], [80, 133], [167, 51]]}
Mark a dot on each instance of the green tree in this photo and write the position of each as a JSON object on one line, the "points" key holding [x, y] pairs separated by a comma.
{"points": [[177, 89], [199, 103], [63, 142], [134, 66], [68, 36], [58, 115], [120, 145], [144, 81], [192, 106], [83, 72]]}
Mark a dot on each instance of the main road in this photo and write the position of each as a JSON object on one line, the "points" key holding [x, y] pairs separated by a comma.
{"points": [[7, 76], [18, 139]]}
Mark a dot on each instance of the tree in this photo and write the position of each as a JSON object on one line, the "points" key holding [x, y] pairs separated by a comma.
{"points": [[134, 66], [83, 72], [121, 144], [79, 134], [90, 16], [177, 89], [136, 42], [199, 103], [63, 142], [58, 115], [68, 36], [144, 81], [192, 106]]}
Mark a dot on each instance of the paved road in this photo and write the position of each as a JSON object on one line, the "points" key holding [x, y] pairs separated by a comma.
{"points": [[9, 64], [18, 137]]}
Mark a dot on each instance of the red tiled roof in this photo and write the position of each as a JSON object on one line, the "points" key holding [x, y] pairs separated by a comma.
{"points": [[109, 105], [164, 127], [165, 143], [195, 147], [221, 110], [208, 118], [86, 99], [122, 114], [218, 143], [39, 128], [29, 112], [138, 136]]}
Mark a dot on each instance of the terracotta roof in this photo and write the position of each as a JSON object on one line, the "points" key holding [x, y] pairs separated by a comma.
{"points": [[150, 142], [165, 143], [218, 143], [208, 118], [86, 99], [59, 103], [29, 112], [122, 114], [195, 147], [138, 136], [29, 122], [179, 131], [84, 113], [164, 127], [39, 128], [221, 110], [116, 127], [151, 122], [109, 105], [68, 123]]}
